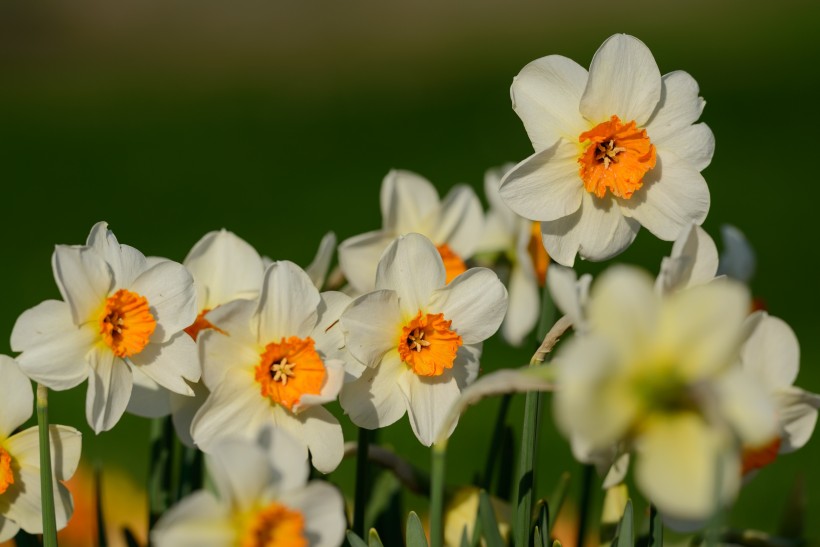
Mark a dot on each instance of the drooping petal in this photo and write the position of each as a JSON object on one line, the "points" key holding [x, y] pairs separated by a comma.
{"points": [[524, 307], [196, 521], [546, 185], [460, 222], [359, 257], [148, 398], [323, 435], [798, 416], [171, 363], [16, 395], [83, 278], [475, 302], [375, 400], [624, 80], [569, 293], [408, 202], [545, 95], [109, 389], [54, 348], [288, 303], [738, 259], [412, 267], [772, 353], [317, 270], [429, 400], [372, 326], [323, 508], [680, 106], [169, 288], [694, 261]]}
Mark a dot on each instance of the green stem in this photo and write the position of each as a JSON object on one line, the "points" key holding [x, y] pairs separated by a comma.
{"points": [[46, 481], [526, 472], [159, 472], [586, 499], [362, 481], [438, 465]]}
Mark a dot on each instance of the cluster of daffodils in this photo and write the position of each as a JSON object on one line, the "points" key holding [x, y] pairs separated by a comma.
{"points": [[680, 377]]}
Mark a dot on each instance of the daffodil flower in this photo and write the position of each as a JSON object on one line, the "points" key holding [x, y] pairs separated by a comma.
{"points": [[616, 148], [409, 203], [20, 503], [120, 316], [419, 336]]}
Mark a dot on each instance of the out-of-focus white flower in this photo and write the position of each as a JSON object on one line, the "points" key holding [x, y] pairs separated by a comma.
{"points": [[519, 240], [738, 259], [409, 203], [120, 317], [20, 503], [694, 261], [262, 498], [657, 376], [275, 361], [616, 148], [420, 337]]}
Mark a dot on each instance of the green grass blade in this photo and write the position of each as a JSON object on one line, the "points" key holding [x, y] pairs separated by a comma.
{"points": [[626, 529], [415, 532], [489, 523], [543, 524], [439, 459], [355, 541], [373, 539], [46, 477]]}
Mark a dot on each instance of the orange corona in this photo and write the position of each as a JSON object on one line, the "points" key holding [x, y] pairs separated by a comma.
{"points": [[200, 324], [538, 254], [453, 264], [126, 323], [289, 369], [758, 458], [275, 526], [616, 158], [427, 345], [6, 472]]}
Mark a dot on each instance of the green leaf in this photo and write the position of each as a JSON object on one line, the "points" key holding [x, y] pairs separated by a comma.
{"points": [[415, 531], [489, 524], [536, 537], [355, 541], [542, 523], [655, 527], [626, 530], [559, 494], [374, 540]]}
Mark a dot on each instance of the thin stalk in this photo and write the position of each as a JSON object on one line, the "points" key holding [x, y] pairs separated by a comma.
{"points": [[438, 466], [159, 472], [46, 480], [362, 481], [586, 499]]}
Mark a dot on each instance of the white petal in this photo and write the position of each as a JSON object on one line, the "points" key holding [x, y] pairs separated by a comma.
{"points": [[798, 416], [375, 400], [694, 144], [408, 202], [466, 364], [126, 262], [66, 445], [738, 259], [227, 266], [184, 409], [679, 460], [169, 288], [171, 363], [545, 95], [569, 293], [546, 185], [460, 221], [475, 302], [624, 80], [317, 270], [196, 521], [8, 529], [492, 185], [240, 472], [497, 235], [287, 458], [288, 303], [772, 353], [673, 196], [328, 333], [148, 398], [323, 435], [429, 400], [234, 320], [372, 326], [748, 407], [694, 261], [16, 396], [524, 307], [679, 106], [412, 267], [109, 389], [359, 257], [220, 354], [83, 278], [323, 508], [54, 348]]}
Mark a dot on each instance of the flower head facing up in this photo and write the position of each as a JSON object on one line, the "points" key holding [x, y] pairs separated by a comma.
{"points": [[616, 148], [427, 345], [126, 323], [290, 369]]}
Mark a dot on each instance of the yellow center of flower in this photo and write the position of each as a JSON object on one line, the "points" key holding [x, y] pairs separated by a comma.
{"points": [[538, 254], [126, 323], [275, 526], [289, 369], [760, 457], [427, 345], [453, 264], [200, 324], [616, 158], [6, 472]]}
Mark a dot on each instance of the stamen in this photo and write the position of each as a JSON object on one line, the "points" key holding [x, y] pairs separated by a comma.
{"points": [[428, 345], [289, 369]]}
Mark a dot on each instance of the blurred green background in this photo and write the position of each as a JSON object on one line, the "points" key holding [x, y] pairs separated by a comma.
{"points": [[278, 120]]}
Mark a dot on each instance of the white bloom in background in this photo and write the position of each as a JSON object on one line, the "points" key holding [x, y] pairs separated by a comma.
{"points": [[658, 376], [519, 240], [420, 337], [409, 203], [694, 261], [772, 355], [275, 361], [738, 259], [262, 498], [616, 148], [121, 317], [20, 502]]}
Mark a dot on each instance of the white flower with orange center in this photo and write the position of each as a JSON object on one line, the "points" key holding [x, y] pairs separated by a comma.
{"points": [[262, 499], [120, 316], [20, 504], [616, 148], [275, 361], [410, 204], [519, 240], [657, 376], [419, 336]]}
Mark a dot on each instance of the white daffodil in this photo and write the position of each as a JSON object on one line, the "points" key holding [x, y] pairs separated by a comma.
{"points": [[616, 148], [409, 203], [275, 361], [420, 337], [262, 498], [20, 503], [121, 317], [772, 355], [657, 375], [519, 240]]}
